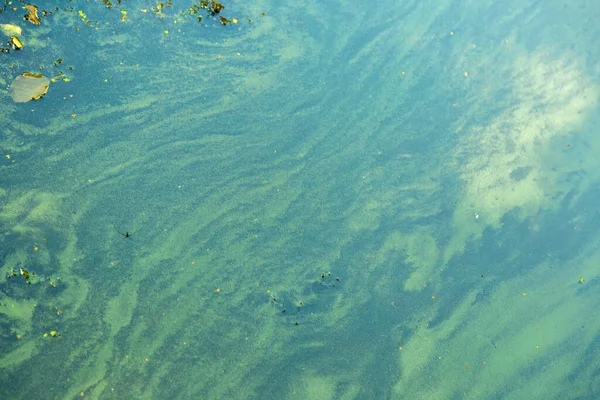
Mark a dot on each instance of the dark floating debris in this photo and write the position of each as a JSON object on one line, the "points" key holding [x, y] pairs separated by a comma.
{"points": [[322, 293], [109, 3], [52, 283], [225, 21], [213, 7], [24, 273]]}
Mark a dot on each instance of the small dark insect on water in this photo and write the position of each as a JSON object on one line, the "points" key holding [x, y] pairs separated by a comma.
{"points": [[126, 234]]}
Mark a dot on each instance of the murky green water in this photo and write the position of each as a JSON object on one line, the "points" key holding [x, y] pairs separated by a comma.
{"points": [[333, 200]]}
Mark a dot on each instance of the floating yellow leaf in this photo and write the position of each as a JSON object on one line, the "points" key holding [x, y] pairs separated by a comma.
{"points": [[28, 86], [15, 43]]}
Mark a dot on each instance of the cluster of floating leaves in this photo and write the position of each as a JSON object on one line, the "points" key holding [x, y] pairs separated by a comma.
{"points": [[211, 7], [28, 86]]}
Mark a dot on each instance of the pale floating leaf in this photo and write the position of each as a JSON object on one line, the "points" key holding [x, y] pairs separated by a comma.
{"points": [[11, 30], [28, 86]]}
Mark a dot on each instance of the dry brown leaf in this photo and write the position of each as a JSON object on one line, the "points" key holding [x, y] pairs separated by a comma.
{"points": [[32, 15]]}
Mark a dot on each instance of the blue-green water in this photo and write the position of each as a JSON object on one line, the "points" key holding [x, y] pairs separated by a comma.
{"points": [[321, 201]]}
